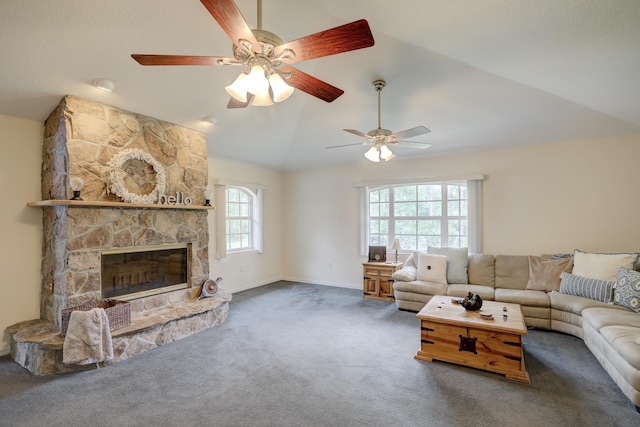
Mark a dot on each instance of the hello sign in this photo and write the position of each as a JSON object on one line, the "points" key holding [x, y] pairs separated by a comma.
{"points": [[179, 199]]}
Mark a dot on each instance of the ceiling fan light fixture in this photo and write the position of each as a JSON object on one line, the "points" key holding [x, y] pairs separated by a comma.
{"points": [[238, 89], [280, 89], [385, 153], [256, 81], [373, 154], [262, 99]]}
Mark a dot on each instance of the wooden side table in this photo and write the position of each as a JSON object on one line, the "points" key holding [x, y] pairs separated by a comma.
{"points": [[377, 281]]}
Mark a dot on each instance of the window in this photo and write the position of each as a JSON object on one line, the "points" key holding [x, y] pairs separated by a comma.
{"points": [[239, 219], [238, 225], [419, 215]]}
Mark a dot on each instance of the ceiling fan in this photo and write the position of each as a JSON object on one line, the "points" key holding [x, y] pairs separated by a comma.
{"points": [[381, 138], [269, 76]]}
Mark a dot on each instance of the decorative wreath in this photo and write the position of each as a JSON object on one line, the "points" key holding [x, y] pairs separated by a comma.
{"points": [[117, 175]]}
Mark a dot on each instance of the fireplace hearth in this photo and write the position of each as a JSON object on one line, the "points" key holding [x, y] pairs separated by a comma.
{"points": [[151, 255]]}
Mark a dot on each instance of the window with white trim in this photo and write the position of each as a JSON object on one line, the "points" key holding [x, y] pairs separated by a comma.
{"points": [[239, 203], [238, 217], [419, 215]]}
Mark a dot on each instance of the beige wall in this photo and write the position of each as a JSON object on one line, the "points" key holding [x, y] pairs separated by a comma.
{"points": [[246, 270], [536, 199], [20, 226]]}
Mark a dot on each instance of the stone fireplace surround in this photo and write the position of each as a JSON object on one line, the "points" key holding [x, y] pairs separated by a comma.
{"points": [[80, 138]]}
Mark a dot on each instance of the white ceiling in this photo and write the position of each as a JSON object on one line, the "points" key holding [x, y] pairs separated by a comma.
{"points": [[480, 74]]}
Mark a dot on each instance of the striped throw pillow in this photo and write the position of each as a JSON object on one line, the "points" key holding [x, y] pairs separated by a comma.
{"points": [[596, 289]]}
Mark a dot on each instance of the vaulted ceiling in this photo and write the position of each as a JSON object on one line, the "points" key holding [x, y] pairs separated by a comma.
{"points": [[480, 74]]}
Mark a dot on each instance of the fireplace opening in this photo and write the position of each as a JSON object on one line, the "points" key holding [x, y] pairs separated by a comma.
{"points": [[130, 273]]}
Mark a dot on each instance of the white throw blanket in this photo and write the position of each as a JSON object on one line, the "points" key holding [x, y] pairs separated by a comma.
{"points": [[88, 338]]}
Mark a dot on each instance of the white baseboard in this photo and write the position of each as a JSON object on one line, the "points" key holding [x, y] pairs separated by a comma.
{"points": [[255, 285], [296, 279], [324, 283]]}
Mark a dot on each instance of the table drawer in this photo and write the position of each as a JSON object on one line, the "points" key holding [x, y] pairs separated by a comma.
{"points": [[382, 270]]}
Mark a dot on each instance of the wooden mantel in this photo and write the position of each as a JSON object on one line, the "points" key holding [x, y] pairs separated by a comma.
{"points": [[107, 204]]}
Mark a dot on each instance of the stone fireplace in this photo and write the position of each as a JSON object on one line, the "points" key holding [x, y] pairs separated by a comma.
{"points": [[81, 138]]}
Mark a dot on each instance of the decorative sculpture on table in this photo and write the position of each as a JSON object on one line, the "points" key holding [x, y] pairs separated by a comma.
{"points": [[472, 302]]}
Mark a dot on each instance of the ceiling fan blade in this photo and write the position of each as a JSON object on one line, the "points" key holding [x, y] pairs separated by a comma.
{"points": [[352, 36], [229, 17], [409, 133], [357, 132], [412, 144], [311, 85], [234, 103], [179, 59], [349, 145]]}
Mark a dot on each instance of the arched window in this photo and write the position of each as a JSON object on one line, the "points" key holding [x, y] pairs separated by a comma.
{"points": [[239, 219], [421, 213]]}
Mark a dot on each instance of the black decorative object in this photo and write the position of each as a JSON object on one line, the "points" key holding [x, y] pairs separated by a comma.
{"points": [[472, 302], [468, 344], [76, 184]]}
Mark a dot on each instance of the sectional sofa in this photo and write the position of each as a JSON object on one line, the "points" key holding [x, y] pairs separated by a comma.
{"points": [[595, 297]]}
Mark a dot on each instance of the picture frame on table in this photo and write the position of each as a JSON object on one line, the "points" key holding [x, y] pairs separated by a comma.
{"points": [[377, 253]]}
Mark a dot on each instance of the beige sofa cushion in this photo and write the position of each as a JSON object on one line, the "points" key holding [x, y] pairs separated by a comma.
{"points": [[512, 271], [485, 292], [573, 304], [523, 297], [421, 287], [457, 262], [544, 274], [432, 268], [622, 339], [599, 317], [481, 270], [602, 266], [407, 273]]}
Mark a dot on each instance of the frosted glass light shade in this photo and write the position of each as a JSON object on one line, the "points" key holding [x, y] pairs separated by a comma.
{"points": [[76, 183], [386, 154], [280, 89], [262, 99], [256, 82], [373, 154], [238, 89]]}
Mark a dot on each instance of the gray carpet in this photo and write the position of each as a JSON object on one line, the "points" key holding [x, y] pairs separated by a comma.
{"points": [[294, 354]]}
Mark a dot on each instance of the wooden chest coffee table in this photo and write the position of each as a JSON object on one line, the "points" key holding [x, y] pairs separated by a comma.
{"points": [[452, 334]]}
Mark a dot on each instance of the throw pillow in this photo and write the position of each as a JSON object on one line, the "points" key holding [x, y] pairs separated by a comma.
{"points": [[457, 263], [432, 268], [627, 291], [405, 274], [602, 266], [586, 287], [544, 273]]}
